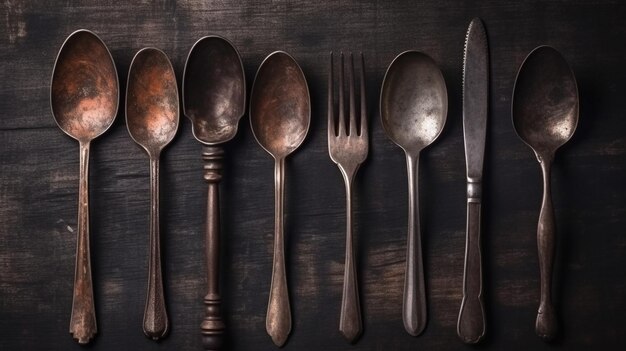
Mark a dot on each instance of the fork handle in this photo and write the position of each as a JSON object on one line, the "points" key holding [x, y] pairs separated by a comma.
{"points": [[414, 300], [471, 323], [350, 324]]}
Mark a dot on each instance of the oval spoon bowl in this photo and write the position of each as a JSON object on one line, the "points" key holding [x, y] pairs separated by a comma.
{"points": [[152, 109], [414, 101], [280, 107], [84, 93], [545, 100]]}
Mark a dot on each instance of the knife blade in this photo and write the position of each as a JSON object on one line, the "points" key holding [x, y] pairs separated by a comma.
{"points": [[471, 322]]}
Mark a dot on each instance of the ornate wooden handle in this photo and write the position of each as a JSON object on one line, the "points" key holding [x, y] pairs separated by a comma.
{"points": [[155, 321], [213, 324], [546, 325], [83, 321], [471, 323]]}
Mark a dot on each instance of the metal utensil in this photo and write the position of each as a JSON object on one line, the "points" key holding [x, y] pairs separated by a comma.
{"points": [[348, 146], [280, 114], [152, 115], [471, 323], [84, 96], [545, 116], [214, 99], [413, 109]]}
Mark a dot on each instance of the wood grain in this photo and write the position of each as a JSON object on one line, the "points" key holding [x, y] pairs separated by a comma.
{"points": [[39, 182]]}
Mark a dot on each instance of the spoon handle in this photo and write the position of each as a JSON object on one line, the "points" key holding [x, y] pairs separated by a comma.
{"points": [[350, 324], [155, 321], [83, 321], [414, 300], [546, 324], [213, 324], [471, 323], [278, 321]]}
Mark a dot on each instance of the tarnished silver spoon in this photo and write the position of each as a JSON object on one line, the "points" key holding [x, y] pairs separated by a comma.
{"points": [[152, 115], [545, 116], [280, 114], [413, 109]]}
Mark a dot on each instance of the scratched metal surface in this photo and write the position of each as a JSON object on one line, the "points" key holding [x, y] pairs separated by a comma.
{"points": [[39, 182]]}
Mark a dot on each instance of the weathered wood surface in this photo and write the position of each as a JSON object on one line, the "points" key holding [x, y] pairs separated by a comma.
{"points": [[39, 182]]}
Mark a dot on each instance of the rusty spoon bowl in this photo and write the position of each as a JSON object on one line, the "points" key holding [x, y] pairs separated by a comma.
{"points": [[545, 116], [84, 97], [413, 109], [152, 116], [280, 114]]}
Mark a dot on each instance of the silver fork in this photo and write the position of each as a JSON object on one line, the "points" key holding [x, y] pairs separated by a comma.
{"points": [[347, 146]]}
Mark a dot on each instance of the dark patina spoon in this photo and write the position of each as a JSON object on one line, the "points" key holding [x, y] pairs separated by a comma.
{"points": [[214, 99], [280, 114], [545, 116], [152, 114], [84, 96]]}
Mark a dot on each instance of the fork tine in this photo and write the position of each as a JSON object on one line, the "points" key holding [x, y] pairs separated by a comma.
{"points": [[331, 94], [352, 103], [342, 119], [363, 103]]}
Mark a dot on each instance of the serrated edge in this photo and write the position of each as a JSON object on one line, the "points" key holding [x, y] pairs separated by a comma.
{"points": [[467, 37]]}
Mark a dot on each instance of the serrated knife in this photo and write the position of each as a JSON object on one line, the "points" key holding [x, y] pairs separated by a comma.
{"points": [[471, 323]]}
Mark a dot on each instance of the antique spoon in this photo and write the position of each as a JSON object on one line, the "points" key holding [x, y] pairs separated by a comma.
{"points": [[152, 120], [84, 96], [214, 99], [280, 114], [413, 109], [545, 116]]}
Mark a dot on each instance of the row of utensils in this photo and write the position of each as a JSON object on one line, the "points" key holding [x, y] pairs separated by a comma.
{"points": [[413, 108]]}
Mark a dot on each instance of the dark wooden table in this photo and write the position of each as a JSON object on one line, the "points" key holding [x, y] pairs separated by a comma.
{"points": [[39, 182]]}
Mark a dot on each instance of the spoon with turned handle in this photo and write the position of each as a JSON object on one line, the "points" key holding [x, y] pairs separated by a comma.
{"points": [[214, 99], [84, 96], [152, 120], [280, 114], [545, 116], [413, 109]]}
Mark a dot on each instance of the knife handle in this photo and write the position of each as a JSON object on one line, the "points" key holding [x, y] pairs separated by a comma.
{"points": [[471, 323]]}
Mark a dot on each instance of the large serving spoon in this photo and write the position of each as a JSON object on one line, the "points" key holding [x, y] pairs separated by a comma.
{"points": [[152, 115], [545, 116], [214, 99], [413, 109], [280, 114], [84, 96]]}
